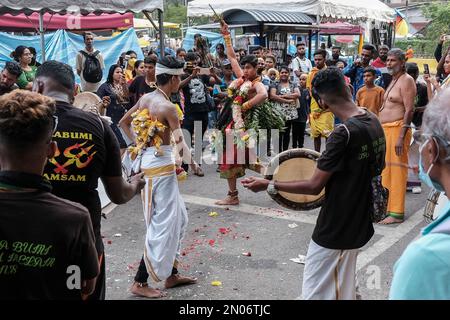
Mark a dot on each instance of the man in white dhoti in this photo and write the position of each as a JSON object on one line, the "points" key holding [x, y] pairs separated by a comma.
{"points": [[154, 119]]}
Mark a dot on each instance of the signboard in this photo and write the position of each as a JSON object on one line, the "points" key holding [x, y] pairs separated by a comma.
{"points": [[277, 44]]}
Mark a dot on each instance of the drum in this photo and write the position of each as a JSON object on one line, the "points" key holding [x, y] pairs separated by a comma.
{"points": [[292, 165], [89, 101], [435, 204]]}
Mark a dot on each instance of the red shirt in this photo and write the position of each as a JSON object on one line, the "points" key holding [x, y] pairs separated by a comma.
{"points": [[377, 63]]}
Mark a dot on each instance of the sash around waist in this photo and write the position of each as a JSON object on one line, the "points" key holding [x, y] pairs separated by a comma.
{"points": [[161, 165]]}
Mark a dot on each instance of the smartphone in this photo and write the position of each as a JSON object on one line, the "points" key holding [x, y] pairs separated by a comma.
{"points": [[204, 71], [426, 68]]}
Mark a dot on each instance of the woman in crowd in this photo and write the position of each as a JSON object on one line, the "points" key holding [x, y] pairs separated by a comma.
{"points": [[115, 87], [285, 96], [24, 57]]}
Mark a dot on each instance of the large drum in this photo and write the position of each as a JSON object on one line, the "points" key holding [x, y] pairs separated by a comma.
{"points": [[90, 102], [436, 202], [292, 165]]}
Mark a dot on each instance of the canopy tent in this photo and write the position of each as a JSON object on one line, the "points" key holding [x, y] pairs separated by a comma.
{"points": [[329, 10], [340, 28], [82, 7], [91, 21]]}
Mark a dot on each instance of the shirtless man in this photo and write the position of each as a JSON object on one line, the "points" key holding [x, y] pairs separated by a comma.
{"points": [[164, 209], [396, 115]]}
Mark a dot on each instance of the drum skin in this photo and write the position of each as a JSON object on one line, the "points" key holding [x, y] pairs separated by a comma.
{"points": [[87, 100], [293, 165]]}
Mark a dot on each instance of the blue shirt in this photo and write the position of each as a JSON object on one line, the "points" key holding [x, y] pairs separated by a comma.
{"points": [[356, 75], [423, 270]]}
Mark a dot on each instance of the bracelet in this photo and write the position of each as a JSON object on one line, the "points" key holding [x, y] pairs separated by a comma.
{"points": [[227, 39]]}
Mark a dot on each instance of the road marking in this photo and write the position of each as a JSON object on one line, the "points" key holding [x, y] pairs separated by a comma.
{"points": [[389, 239], [291, 215], [246, 208]]}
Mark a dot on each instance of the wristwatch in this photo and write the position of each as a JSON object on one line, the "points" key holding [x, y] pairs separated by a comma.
{"points": [[271, 188]]}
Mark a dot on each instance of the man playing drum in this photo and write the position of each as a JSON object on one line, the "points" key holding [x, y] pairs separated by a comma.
{"points": [[354, 150]]}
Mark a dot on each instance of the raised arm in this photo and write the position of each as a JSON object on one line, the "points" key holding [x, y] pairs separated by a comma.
{"points": [[230, 50]]}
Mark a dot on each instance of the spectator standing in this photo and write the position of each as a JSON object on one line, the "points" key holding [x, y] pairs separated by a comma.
{"points": [[23, 56], [116, 89], [299, 124], [144, 84], [370, 96], [301, 64], [90, 65]]}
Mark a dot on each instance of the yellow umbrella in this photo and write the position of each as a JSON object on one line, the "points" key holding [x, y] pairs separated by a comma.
{"points": [[401, 28]]}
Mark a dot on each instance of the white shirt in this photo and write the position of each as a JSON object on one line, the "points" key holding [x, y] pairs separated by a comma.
{"points": [[87, 86], [302, 65]]}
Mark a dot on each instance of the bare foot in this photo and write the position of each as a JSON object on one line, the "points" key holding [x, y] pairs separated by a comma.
{"points": [[177, 280], [390, 220], [145, 291], [228, 201]]}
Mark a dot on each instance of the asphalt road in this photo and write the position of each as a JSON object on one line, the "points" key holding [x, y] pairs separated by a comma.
{"points": [[213, 246]]}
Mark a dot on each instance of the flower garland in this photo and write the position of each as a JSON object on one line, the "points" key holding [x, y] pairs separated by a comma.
{"points": [[147, 131]]}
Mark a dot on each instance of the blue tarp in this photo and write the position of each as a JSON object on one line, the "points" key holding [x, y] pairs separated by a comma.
{"points": [[63, 46], [213, 38]]}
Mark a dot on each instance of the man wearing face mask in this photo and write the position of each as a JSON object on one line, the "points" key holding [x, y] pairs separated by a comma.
{"points": [[380, 64], [396, 115], [423, 270]]}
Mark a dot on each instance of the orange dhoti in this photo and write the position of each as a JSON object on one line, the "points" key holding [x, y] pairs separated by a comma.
{"points": [[395, 175]]}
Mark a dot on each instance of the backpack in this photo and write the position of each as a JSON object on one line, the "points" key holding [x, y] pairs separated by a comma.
{"points": [[92, 71]]}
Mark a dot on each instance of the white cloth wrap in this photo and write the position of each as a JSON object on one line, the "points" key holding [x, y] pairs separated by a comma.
{"points": [[165, 215], [160, 69]]}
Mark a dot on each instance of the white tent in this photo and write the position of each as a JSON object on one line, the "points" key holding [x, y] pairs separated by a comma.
{"points": [[81, 7], [327, 10]]}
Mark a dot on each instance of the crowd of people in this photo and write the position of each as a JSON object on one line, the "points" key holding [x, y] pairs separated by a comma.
{"points": [[366, 111]]}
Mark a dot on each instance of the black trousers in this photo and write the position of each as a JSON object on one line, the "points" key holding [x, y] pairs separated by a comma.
{"points": [[189, 125], [298, 134], [142, 274], [285, 137]]}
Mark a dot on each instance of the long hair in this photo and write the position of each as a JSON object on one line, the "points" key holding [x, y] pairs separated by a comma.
{"points": [[113, 68]]}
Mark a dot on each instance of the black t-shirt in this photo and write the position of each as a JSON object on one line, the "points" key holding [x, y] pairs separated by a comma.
{"points": [[138, 88], [305, 102], [195, 94], [344, 221], [42, 235], [87, 150], [421, 101]]}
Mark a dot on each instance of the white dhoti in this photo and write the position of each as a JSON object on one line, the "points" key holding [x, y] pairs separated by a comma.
{"points": [[164, 211], [329, 274]]}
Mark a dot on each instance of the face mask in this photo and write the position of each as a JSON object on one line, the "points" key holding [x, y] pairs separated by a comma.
{"points": [[425, 176]]}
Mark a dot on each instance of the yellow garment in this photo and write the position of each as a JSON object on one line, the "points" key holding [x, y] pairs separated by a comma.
{"points": [[395, 176], [321, 122], [128, 75]]}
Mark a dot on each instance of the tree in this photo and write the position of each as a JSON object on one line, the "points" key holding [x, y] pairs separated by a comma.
{"points": [[439, 14]]}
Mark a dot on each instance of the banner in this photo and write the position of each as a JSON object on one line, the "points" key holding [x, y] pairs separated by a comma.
{"points": [[63, 46]]}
